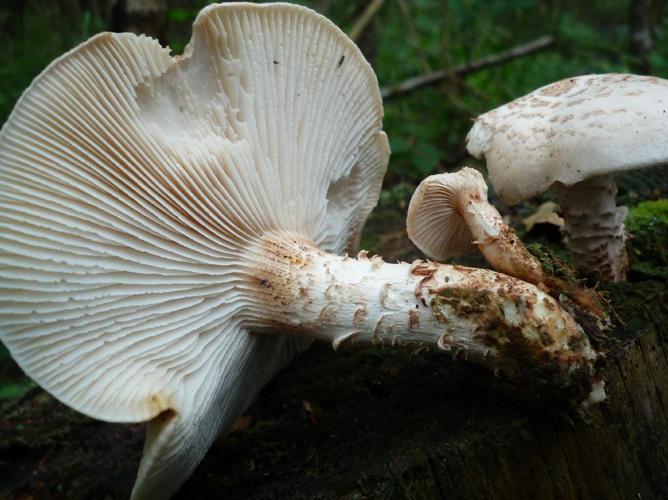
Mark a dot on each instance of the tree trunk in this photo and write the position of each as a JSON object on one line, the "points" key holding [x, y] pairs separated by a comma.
{"points": [[387, 424]]}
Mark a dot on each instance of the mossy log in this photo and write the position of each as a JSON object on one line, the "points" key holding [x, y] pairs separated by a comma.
{"points": [[387, 424]]}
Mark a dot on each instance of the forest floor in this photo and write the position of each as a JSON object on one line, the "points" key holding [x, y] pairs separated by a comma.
{"points": [[370, 423]]}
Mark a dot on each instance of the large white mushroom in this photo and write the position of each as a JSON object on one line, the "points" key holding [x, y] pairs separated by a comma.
{"points": [[574, 136], [164, 220]]}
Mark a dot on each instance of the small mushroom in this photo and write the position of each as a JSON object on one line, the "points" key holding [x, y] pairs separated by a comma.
{"points": [[171, 233], [449, 212], [573, 136]]}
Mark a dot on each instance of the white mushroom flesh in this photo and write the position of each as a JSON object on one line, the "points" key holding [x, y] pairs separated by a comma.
{"points": [[474, 312]]}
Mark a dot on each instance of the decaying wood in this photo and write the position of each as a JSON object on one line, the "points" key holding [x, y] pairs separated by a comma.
{"points": [[386, 424]]}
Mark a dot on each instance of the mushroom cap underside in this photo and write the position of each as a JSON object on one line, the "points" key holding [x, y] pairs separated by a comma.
{"points": [[132, 183], [434, 222], [572, 130]]}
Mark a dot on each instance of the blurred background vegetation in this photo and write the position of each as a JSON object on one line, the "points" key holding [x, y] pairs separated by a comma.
{"points": [[402, 39]]}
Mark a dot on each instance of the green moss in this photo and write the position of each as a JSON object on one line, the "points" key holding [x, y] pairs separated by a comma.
{"points": [[13, 384], [553, 263], [650, 210], [647, 225]]}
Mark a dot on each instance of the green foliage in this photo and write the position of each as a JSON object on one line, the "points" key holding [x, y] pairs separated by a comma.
{"points": [[649, 212], [406, 38], [181, 15], [647, 225], [591, 37], [33, 42]]}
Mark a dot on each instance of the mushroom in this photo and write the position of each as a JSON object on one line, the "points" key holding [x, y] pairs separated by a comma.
{"points": [[449, 212], [573, 136], [171, 231]]}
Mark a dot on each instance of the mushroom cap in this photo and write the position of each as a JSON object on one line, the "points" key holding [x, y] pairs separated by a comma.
{"points": [[435, 223], [572, 130], [133, 185]]}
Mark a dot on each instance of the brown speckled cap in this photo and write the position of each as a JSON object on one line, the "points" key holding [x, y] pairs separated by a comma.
{"points": [[572, 130]]}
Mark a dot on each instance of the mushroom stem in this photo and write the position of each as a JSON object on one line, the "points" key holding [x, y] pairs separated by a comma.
{"points": [[594, 226], [506, 253], [433, 227], [498, 242], [491, 319]]}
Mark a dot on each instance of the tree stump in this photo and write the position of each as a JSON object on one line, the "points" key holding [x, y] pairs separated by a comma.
{"points": [[387, 424]]}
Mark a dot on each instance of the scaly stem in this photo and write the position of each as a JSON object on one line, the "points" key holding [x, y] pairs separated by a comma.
{"points": [[494, 320], [506, 253], [595, 227], [498, 243]]}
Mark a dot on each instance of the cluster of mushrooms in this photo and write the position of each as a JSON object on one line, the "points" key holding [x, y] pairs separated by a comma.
{"points": [[173, 229]]}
